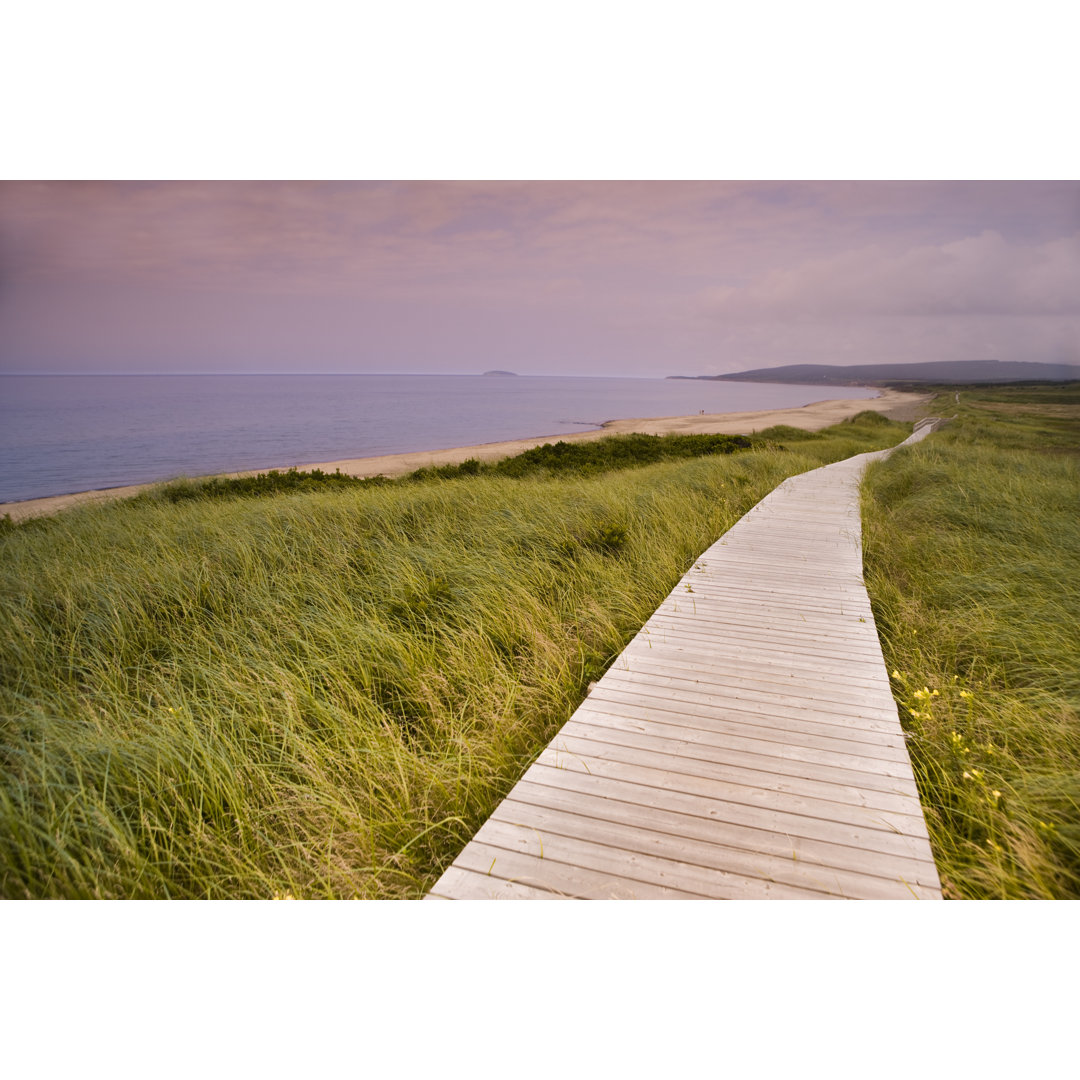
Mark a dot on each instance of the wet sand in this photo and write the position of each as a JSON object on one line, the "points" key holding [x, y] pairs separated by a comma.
{"points": [[893, 403]]}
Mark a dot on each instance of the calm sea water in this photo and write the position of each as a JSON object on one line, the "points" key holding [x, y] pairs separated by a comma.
{"points": [[60, 434]]}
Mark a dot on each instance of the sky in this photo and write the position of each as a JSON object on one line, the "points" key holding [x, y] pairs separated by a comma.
{"points": [[647, 278]]}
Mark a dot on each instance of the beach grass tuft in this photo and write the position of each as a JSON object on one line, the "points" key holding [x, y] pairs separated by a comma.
{"points": [[971, 547]]}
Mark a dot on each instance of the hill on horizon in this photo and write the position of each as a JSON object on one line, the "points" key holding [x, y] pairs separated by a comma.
{"points": [[937, 371]]}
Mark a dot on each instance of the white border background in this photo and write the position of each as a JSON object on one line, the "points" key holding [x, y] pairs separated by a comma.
{"points": [[583, 90]]}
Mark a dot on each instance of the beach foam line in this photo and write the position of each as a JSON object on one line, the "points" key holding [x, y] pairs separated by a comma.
{"points": [[812, 417]]}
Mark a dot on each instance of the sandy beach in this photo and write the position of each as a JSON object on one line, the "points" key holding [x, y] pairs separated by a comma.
{"points": [[893, 403]]}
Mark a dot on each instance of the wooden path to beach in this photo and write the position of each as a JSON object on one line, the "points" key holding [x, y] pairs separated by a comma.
{"points": [[744, 745]]}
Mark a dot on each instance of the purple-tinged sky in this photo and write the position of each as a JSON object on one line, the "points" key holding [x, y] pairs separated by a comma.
{"points": [[560, 278]]}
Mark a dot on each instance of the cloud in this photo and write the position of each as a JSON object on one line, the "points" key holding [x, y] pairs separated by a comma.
{"points": [[983, 274], [644, 277]]}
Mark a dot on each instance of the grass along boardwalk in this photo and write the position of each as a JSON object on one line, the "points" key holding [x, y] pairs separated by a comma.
{"points": [[744, 745]]}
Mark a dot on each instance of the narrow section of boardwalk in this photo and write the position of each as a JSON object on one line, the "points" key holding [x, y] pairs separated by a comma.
{"points": [[745, 744]]}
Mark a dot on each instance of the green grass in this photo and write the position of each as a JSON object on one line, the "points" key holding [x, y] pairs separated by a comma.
{"points": [[972, 549], [551, 459], [273, 482], [592, 457], [323, 692]]}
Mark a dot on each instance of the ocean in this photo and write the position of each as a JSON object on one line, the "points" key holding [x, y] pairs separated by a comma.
{"points": [[62, 434]]}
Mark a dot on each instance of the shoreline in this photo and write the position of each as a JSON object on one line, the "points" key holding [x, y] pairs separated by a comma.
{"points": [[812, 417]]}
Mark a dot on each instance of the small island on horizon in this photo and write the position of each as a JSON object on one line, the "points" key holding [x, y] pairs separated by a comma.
{"points": [[513, 373]]}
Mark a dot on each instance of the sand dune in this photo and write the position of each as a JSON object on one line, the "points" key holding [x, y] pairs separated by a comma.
{"points": [[811, 417]]}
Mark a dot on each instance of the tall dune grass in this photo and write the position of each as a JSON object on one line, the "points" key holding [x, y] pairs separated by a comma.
{"points": [[324, 693], [972, 550]]}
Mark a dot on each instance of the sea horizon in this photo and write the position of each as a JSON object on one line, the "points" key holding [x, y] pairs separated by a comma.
{"points": [[330, 374]]}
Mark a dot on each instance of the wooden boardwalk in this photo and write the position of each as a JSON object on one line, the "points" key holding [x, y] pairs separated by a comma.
{"points": [[744, 745]]}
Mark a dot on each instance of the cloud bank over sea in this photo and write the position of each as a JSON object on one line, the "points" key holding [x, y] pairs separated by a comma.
{"points": [[553, 277]]}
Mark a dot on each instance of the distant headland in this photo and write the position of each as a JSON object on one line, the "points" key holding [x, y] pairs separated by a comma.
{"points": [[514, 373], [946, 371]]}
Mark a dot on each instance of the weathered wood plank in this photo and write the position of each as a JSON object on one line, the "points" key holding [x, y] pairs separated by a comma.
{"points": [[583, 878], [759, 725], [651, 740], [829, 695], [879, 716], [694, 739], [687, 606], [782, 618], [746, 770], [460, 884], [541, 829], [648, 868], [728, 663], [749, 841], [754, 796], [712, 808], [732, 645], [776, 592], [847, 646], [623, 685], [850, 630]]}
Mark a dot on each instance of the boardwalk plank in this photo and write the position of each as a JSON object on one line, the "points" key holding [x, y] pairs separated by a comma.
{"points": [[732, 647], [648, 868], [758, 725], [698, 740], [540, 828], [460, 884], [582, 878], [643, 736], [849, 631], [727, 663], [643, 678], [735, 786], [754, 841], [840, 834], [782, 617], [758, 773], [839, 630], [829, 695], [847, 646]]}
